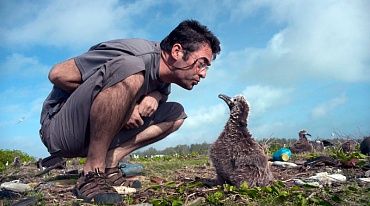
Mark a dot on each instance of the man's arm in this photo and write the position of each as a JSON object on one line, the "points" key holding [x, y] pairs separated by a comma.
{"points": [[66, 76], [150, 102]]}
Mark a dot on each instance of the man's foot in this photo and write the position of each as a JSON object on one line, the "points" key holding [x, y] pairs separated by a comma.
{"points": [[95, 188], [118, 178]]}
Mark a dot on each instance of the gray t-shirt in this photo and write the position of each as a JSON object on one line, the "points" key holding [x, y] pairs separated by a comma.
{"points": [[138, 52]]}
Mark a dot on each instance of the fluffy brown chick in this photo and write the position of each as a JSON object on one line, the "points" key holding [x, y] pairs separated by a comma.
{"points": [[302, 145], [236, 156]]}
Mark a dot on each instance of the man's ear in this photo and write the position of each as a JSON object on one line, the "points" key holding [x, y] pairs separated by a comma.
{"points": [[176, 51]]}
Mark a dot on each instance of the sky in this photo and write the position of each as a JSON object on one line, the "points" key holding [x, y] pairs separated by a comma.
{"points": [[301, 65]]}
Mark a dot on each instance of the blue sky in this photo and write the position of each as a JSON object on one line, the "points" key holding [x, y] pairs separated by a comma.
{"points": [[301, 65]]}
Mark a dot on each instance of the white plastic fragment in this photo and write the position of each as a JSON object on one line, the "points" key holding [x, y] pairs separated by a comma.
{"points": [[284, 164], [324, 177], [123, 190], [367, 179], [299, 182], [320, 179]]}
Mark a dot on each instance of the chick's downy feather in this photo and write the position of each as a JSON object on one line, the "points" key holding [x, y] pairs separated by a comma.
{"points": [[236, 156]]}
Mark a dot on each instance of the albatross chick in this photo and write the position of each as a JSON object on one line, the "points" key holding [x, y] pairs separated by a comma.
{"points": [[302, 145], [237, 156]]}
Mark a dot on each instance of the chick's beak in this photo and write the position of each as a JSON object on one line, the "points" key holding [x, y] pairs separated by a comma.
{"points": [[226, 98]]}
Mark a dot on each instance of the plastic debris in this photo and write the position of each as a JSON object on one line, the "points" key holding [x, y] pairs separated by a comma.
{"points": [[299, 182], [324, 177], [123, 190], [320, 179], [282, 154], [284, 164], [367, 179], [131, 169]]}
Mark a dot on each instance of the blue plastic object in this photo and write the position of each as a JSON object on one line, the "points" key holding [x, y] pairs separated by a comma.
{"points": [[131, 169], [282, 154]]}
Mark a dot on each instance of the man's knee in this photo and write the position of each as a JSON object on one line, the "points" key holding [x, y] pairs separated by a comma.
{"points": [[170, 111], [177, 124], [66, 76]]}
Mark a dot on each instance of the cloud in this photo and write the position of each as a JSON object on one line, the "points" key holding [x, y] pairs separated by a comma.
{"points": [[197, 118], [270, 130], [320, 40], [71, 23], [325, 108], [23, 66], [263, 98]]}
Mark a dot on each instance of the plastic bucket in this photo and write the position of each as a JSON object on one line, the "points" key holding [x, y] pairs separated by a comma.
{"points": [[282, 154]]}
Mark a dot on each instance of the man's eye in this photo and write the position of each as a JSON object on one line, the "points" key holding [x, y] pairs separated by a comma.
{"points": [[202, 65]]}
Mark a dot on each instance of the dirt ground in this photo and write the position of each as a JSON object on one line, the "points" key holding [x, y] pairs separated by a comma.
{"points": [[55, 187]]}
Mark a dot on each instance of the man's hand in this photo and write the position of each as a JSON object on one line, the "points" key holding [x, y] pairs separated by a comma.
{"points": [[148, 106], [135, 120]]}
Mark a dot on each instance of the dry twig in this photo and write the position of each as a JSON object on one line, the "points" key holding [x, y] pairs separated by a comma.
{"points": [[50, 168]]}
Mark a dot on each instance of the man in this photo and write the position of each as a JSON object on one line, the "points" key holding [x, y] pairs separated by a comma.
{"points": [[111, 101]]}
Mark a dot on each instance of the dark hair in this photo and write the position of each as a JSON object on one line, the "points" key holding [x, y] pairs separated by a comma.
{"points": [[191, 35]]}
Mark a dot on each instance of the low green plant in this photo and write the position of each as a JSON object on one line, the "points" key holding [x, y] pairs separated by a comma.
{"points": [[345, 157]]}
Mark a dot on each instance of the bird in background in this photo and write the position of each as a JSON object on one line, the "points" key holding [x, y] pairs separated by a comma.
{"points": [[303, 145], [318, 145], [349, 145], [365, 146], [236, 156], [16, 162], [21, 120]]}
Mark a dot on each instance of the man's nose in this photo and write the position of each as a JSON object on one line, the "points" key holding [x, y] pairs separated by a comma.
{"points": [[203, 73]]}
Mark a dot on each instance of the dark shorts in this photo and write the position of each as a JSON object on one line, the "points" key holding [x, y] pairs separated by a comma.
{"points": [[66, 133]]}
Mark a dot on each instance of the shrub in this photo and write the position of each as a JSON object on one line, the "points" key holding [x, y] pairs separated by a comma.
{"points": [[9, 155]]}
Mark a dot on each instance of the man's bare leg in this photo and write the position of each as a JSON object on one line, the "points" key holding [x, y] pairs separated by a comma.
{"points": [[148, 136], [109, 112]]}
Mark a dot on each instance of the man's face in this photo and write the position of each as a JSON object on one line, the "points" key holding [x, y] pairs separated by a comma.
{"points": [[190, 72]]}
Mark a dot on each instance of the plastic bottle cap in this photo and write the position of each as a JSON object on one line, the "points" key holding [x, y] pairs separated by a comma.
{"points": [[284, 157]]}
